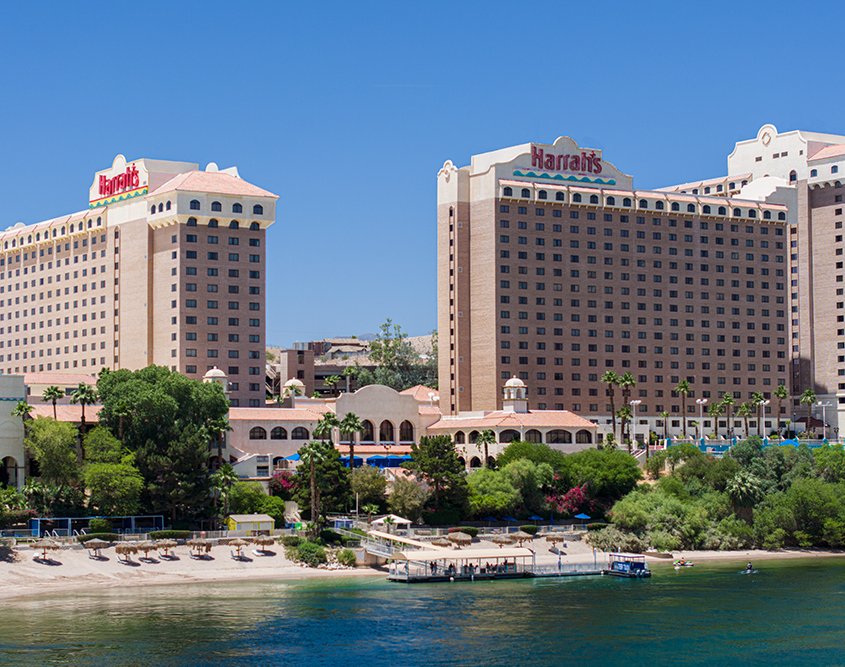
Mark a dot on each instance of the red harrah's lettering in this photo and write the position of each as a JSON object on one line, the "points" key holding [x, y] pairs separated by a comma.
{"points": [[125, 181], [590, 163]]}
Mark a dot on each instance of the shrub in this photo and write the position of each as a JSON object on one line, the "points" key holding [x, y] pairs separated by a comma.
{"points": [[170, 534], [309, 553], [100, 526], [472, 531], [291, 541], [347, 557], [531, 530], [106, 537], [613, 539], [329, 536]]}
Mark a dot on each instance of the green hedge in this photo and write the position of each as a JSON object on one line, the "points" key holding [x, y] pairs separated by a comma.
{"points": [[472, 531], [291, 541], [330, 537], [598, 525], [106, 537], [530, 529], [170, 534]]}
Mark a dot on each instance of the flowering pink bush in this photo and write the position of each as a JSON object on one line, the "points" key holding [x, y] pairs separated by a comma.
{"points": [[575, 501], [281, 485]]}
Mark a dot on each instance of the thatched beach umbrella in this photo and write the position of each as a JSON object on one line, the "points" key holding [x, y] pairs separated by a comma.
{"points": [[441, 542], [44, 545], [200, 545], [521, 536], [166, 545], [554, 538], [239, 543], [502, 540], [126, 549], [146, 546], [264, 541], [460, 539], [96, 544]]}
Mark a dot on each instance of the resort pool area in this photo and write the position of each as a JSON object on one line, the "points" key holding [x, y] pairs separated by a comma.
{"points": [[791, 613]]}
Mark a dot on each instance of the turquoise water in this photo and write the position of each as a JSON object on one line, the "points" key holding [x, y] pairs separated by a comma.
{"points": [[791, 613]]}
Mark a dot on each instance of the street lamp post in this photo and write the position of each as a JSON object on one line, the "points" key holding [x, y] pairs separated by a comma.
{"points": [[634, 405], [760, 426], [824, 421], [701, 402]]}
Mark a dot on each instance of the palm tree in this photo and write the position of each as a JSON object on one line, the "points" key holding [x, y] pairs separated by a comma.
{"points": [[625, 413], [53, 393], [744, 490], [333, 381], [683, 389], [311, 454], [350, 425], [222, 482], [611, 379], [745, 411], [781, 394], [757, 400], [22, 410], [627, 382], [808, 397], [714, 411], [219, 427], [665, 417], [486, 438], [325, 427], [369, 509], [84, 394], [122, 409], [728, 401]]}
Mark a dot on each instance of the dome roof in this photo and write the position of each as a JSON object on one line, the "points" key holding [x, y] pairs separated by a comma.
{"points": [[293, 382], [514, 382], [214, 373]]}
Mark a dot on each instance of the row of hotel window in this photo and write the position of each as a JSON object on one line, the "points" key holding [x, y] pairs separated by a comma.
{"points": [[192, 287], [553, 437], [216, 206], [642, 204], [213, 354], [214, 240], [593, 333], [719, 187], [608, 261], [192, 271], [233, 305], [626, 349], [233, 256], [80, 227], [640, 234], [76, 245], [67, 364], [212, 321], [386, 432], [234, 224]]}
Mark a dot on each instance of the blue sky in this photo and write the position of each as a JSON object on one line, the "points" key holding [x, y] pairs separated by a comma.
{"points": [[348, 110]]}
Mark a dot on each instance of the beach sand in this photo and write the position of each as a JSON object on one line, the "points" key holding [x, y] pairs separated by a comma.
{"points": [[74, 570]]}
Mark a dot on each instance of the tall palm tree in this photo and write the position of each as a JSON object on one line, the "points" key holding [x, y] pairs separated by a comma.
{"points": [[611, 379], [627, 382], [486, 438], [222, 482], [333, 382], [781, 393], [349, 426], [218, 428], [325, 427], [84, 394], [665, 417], [745, 410], [808, 397], [625, 413], [311, 454], [757, 400], [53, 394], [714, 411], [23, 410], [683, 389], [744, 490], [728, 401]]}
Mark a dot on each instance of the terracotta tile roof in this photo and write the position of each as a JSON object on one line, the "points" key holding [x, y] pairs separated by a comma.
{"points": [[67, 413], [59, 379], [310, 413], [829, 151], [501, 419], [420, 392], [214, 183], [429, 410]]}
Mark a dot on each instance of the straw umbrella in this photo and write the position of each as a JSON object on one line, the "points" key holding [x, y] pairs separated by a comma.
{"points": [[264, 541], [199, 545], [45, 545], [166, 545], [126, 549], [521, 536], [239, 543], [460, 539], [146, 546], [502, 540], [441, 542], [96, 544], [554, 538]]}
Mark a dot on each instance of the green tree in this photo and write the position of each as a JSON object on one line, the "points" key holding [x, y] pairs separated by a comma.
{"points": [[781, 393], [110, 475], [533, 451], [333, 383], [325, 427], [611, 379], [757, 400], [625, 414], [247, 497], [52, 445], [607, 473], [53, 394], [744, 411], [22, 409], [274, 507], [407, 499], [349, 426], [216, 430], [222, 482], [485, 439], [369, 486], [744, 491], [728, 402], [529, 479], [330, 489], [84, 394], [683, 389], [714, 411], [665, 417], [400, 366], [493, 491], [809, 398], [312, 455], [437, 461]]}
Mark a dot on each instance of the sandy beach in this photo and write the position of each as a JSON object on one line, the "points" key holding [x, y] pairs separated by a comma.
{"points": [[72, 569]]}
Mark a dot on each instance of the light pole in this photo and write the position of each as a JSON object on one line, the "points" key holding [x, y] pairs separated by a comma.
{"points": [[824, 422], [760, 426], [634, 405], [701, 402]]}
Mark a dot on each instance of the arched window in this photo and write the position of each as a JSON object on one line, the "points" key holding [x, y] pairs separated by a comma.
{"points": [[29, 239], [63, 231], [813, 172], [507, 192], [475, 462], [71, 229], [744, 183], [167, 206], [611, 201], [752, 214], [367, 434], [695, 191], [690, 208], [258, 209], [195, 205], [254, 227], [299, 433], [117, 233], [473, 437], [385, 431], [594, 199], [731, 186], [626, 201], [215, 206], [257, 433], [767, 215], [793, 176], [278, 461], [659, 205], [192, 222], [508, 436], [278, 433], [212, 223], [834, 169], [723, 210], [781, 216], [737, 213], [707, 190], [584, 437], [406, 431], [576, 197], [559, 196], [460, 438], [534, 436], [463, 461], [526, 192], [234, 224], [54, 232], [643, 203], [237, 208], [542, 194], [705, 208], [558, 437], [153, 210], [38, 237]]}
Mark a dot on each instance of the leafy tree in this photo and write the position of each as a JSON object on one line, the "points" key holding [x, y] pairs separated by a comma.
{"points": [[608, 474], [744, 491], [400, 366], [728, 402], [714, 411], [53, 394], [683, 389], [746, 451], [370, 487], [809, 398], [110, 474], [437, 461], [745, 411], [349, 426], [222, 482], [407, 499], [533, 451], [247, 498], [611, 379], [781, 393], [529, 479], [281, 485], [830, 462], [493, 491], [52, 445], [485, 439], [274, 507]]}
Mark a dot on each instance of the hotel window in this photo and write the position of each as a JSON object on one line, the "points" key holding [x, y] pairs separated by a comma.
{"points": [[233, 224], [237, 208], [559, 196], [507, 192], [254, 227], [526, 193], [195, 205], [212, 223], [834, 169], [192, 222], [215, 206]]}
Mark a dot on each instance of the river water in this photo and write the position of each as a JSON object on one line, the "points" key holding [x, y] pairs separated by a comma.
{"points": [[791, 613]]}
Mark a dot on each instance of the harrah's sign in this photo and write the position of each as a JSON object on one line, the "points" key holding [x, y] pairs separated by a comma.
{"points": [[128, 180], [582, 162]]}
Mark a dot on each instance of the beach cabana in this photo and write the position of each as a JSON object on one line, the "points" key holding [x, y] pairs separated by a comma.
{"points": [[252, 523], [396, 521]]}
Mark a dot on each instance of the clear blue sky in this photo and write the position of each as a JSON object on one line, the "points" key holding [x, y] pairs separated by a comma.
{"points": [[347, 111]]}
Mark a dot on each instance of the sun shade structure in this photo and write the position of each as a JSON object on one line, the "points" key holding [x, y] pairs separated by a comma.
{"points": [[521, 536], [463, 554], [239, 543], [441, 542], [553, 538], [95, 545], [395, 520], [46, 545], [502, 540], [460, 539]]}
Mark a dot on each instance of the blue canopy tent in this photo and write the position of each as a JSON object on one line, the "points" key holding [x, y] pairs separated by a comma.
{"points": [[378, 461], [534, 517], [292, 457], [345, 461], [396, 461]]}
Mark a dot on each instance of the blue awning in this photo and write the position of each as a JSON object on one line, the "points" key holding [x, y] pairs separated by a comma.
{"points": [[292, 457]]}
